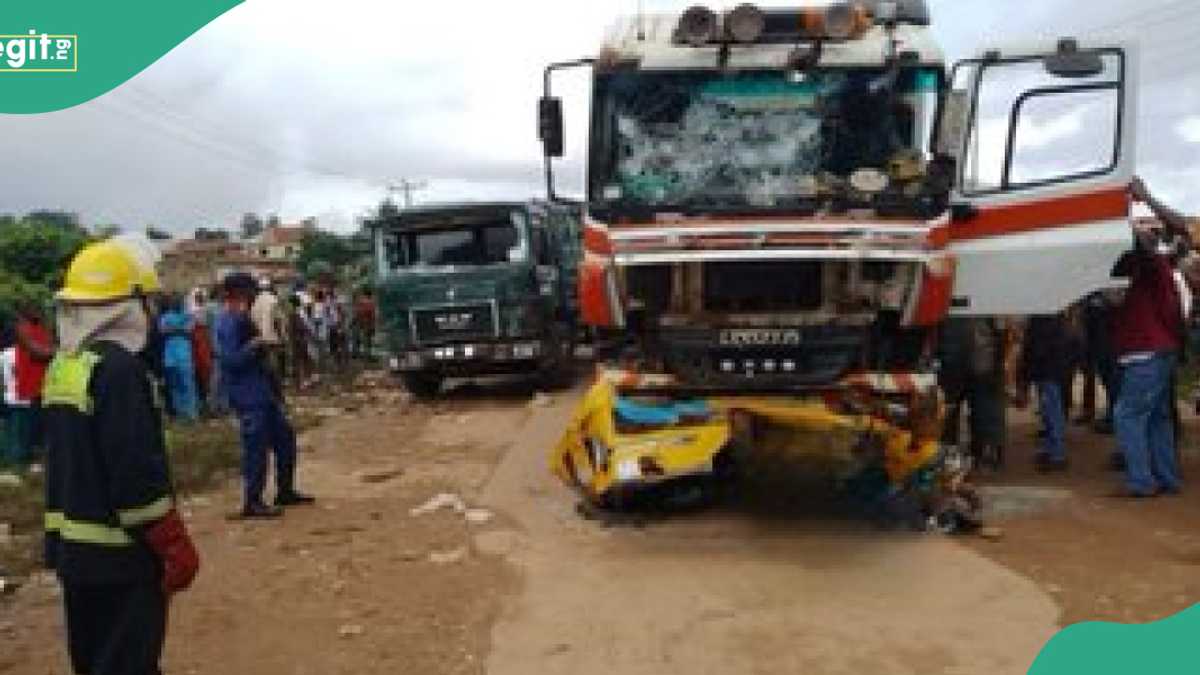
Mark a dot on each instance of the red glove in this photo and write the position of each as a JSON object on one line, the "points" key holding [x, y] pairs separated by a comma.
{"points": [[170, 540]]}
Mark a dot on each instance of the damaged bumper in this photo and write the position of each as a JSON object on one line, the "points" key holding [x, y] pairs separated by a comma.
{"points": [[891, 422]]}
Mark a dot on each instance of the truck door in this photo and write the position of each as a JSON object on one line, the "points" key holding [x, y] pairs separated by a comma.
{"points": [[1045, 143]]}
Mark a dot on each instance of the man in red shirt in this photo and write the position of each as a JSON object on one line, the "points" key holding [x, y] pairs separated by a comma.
{"points": [[35, 349], [1148, 330]]}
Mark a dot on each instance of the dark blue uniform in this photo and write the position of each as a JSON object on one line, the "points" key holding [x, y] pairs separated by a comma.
{"points": [[252, 395], [107, 481]]}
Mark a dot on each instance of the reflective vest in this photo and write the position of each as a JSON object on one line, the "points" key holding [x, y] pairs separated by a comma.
{"points": [[106, 470]]}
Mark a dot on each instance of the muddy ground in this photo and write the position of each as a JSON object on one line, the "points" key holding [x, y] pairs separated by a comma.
{"points": [[776, 581]]}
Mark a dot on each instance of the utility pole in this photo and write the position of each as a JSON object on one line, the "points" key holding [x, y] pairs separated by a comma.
{"points": [[408, 187]]}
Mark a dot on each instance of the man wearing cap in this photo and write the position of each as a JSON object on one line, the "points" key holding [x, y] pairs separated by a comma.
{"points": [[254, 398], [113, 535]]}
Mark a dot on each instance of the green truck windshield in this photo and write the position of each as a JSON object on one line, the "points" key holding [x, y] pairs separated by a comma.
{"points": [[467, 246], [754, 139]]}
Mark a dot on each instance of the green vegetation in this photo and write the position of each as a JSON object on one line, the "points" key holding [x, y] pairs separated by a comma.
{"points": [[334, 258], [202, 457]]}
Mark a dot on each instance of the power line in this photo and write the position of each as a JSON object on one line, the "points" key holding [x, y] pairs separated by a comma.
{"points": [[187, 124]]}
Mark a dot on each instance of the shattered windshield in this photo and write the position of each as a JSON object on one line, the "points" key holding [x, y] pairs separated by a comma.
{"points": [[760, 140]]}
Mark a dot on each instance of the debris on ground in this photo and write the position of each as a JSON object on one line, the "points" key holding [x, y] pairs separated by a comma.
{"points": [[540, 400], [1010, 501], [379, 475], [444, 500], [8, 586], [450, 557], [10, 480], [991, 533], [351, 630], [478, 516], [6, 534]]}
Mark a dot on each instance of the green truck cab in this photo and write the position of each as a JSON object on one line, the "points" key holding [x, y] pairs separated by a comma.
{"points": [[471, 290]]}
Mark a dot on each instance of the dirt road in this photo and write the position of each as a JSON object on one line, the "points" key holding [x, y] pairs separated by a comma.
{"points": [[729, 592], [523, 585]]}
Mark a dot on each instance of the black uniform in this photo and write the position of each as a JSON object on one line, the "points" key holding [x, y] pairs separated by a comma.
{"points": [[106, 480]]}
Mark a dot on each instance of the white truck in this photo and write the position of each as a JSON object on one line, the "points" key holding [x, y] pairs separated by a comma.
{"points": [[783, 204]]}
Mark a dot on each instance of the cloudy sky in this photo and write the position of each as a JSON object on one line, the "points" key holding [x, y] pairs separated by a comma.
{"points": [[314, 108]]}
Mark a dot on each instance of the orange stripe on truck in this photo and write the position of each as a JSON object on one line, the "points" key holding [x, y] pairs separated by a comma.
{"points": [[994, 221]]}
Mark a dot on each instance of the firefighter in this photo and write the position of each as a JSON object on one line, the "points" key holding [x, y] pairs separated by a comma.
{"points": [[256, 397], [113, 536]]}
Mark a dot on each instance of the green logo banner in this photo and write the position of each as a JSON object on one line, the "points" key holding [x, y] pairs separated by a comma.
{"points": [[55, 54], [1168, 647]]}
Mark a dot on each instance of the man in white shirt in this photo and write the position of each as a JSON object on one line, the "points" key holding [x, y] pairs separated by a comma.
{"points": [[266, 316]]}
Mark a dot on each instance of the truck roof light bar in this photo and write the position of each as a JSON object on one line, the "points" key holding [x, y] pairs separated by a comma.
{"points": [[745, 23], [748, 24], [697, 27]]}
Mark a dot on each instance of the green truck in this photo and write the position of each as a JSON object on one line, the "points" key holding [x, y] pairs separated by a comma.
{"points": [[472, 290]]}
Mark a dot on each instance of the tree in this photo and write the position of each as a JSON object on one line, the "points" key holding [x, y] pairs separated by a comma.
{"points": [[204, 234], [309, 223], [322, 254], [252, 226], [36, 254], [62, 220], [155, 234]]}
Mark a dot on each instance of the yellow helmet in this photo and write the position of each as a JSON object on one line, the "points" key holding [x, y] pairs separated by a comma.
{"points": [[107, 272], [144, 256]]}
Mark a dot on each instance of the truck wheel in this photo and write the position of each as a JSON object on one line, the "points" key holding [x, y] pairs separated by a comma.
{"points": [[422, 385]]}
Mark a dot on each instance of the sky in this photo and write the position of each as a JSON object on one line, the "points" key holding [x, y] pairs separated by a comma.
{"points": [[303, 108]]}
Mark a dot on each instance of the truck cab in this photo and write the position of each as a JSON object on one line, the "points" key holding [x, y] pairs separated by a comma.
{"points": [[469, 290], [781, 198]]}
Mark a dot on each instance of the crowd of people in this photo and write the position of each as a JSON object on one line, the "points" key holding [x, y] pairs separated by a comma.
{"points": [[1129, 342], [304, 336]]}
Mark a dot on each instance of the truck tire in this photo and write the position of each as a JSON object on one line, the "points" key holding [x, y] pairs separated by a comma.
{"points": [[422, 385]]}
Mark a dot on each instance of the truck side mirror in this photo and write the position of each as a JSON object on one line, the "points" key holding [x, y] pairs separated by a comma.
{"points": [[550, 125], [1072, 62]]}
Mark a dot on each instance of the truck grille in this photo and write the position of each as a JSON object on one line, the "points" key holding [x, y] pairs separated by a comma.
{"points": [[453, 323], [768, 359]]}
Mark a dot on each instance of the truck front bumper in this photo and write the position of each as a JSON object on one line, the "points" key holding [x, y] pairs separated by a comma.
{"points": [[475, 358]]}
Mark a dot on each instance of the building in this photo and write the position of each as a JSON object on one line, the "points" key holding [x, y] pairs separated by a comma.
{"points": [[280, 242], [190, 263]]}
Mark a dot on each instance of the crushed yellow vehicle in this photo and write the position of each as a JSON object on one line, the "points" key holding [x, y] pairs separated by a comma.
{"points": [[626, 435]]}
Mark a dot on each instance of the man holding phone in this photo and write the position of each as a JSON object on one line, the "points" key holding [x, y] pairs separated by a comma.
{"points": [[254, 398]]}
